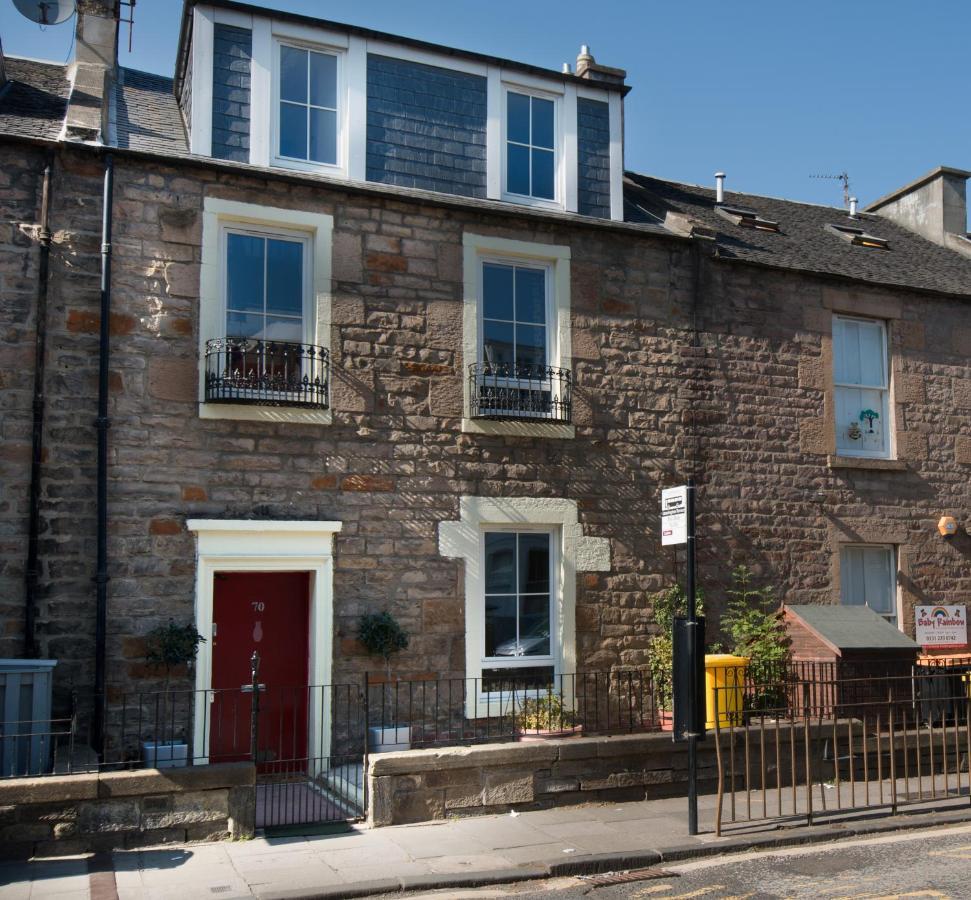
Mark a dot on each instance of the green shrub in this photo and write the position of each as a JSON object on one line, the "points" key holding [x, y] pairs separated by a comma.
{"points": [[170, 646], [756, 630], [666, 605], [546, 713]]}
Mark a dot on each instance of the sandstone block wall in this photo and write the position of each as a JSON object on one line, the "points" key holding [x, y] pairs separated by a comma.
{"points": [[725, 376], [68, 814]]}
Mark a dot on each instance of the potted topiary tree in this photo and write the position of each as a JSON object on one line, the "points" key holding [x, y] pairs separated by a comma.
{"points": [[382, 636], [546, 716], [168, 647]]}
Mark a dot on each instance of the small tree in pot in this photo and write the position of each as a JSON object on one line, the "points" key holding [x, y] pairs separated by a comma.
{"points": [[383, 636], [168, 647]]}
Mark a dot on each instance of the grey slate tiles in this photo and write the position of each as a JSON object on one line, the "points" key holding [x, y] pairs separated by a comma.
{"points": [[426, 127]]}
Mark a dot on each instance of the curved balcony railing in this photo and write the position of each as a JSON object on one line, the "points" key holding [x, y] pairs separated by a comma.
{"points": [[532, 393], [266, 373]]}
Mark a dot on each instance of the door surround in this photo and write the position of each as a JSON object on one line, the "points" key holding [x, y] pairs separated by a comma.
{"points": [[241, 545]]}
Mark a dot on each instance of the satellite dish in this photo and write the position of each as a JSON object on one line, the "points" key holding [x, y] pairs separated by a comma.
{"points": [[46, 12]]}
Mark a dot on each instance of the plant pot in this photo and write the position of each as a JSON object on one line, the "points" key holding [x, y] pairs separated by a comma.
{"points": [[164, 754], [387, 739], [545, 734], [666, 719]]}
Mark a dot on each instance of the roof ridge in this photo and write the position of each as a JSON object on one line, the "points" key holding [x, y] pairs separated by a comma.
{"points": [[704, 187], [34, 59]]}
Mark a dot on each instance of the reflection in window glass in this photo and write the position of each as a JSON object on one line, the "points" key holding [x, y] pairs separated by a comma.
{"points": [[264, 287], [308, 105], [530, 146], [514, 330], [517, 595]]}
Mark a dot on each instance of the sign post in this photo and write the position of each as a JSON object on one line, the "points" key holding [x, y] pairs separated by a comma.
{"points": [[678, 527]]}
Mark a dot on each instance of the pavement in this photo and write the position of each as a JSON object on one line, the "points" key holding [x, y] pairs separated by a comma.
{"points": [[458, 853]]}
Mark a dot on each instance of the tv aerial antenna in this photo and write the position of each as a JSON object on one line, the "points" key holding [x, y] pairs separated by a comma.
{"points": [[844, 179]]}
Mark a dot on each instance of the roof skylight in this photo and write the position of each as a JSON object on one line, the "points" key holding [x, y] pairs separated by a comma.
{"points": [[859, 237], [745, 217]]}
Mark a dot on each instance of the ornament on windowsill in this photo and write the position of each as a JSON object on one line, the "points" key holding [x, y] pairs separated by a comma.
{"points": [[853, 431], [869, 416]]}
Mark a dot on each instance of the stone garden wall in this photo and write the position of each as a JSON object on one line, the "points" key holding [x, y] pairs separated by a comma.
{"points": [[68, 814]]}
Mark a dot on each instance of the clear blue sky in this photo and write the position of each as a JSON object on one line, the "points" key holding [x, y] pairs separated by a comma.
{"points": [[770, 92]]}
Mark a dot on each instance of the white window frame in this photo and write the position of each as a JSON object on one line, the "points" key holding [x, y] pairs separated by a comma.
{"points": [[308, 330], [552, 343], [558, 149], [218, 217], [478, 249], [895, 617], [524, 662], [885, 405], [575, 553], [338, 168]]}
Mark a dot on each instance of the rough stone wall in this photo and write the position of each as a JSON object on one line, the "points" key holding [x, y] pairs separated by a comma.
{"points": [[69, 814], [20, 181], [742, 405], [65, 623]]}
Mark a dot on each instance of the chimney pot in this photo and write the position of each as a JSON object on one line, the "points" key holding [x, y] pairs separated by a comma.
{"points": [[589, 68], [853, 207], [566, 69], [719, 187]]}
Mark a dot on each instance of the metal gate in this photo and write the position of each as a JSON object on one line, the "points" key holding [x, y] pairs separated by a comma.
{"points": [[308, 743]]}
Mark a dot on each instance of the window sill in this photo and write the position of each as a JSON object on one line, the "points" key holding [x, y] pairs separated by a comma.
{"points": [[245, 412], [871, 463], [518, 428]]}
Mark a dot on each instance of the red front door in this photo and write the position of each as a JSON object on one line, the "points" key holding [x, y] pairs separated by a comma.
{"points": [[268, 612]]}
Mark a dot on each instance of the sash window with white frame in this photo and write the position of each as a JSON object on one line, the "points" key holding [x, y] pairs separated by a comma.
{"points": [[520, 587], [531, 146], [516, 339], [862, 384], [264, 355], [308, 114], [868, 577]]}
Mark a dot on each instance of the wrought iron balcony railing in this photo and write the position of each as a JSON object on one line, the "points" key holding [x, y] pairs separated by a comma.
{"points": [[520, 392], [267, 373]]}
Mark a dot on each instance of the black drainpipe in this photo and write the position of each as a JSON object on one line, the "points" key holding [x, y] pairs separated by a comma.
{"points": [[32, 571], [102, 423]]}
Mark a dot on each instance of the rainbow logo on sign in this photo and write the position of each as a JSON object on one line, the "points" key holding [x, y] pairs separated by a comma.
{"points": [[939, 612]]}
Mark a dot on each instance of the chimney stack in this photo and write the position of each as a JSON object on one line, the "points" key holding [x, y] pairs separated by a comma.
{"points": [[935, 207], [719, 187], [589, 68], [94, 69]]}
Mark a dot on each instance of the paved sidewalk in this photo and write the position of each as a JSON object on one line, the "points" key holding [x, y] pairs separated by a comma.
{"points": [[462, 852]]}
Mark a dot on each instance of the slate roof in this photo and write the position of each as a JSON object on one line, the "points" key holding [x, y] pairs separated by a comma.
{"points": [[147, 116], [852, 627], [803, 242], [34, 100]]}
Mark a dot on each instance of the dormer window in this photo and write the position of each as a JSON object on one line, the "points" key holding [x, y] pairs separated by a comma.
{"points": [[307, 109], [746, 218], [859, 237], [531, 140]]}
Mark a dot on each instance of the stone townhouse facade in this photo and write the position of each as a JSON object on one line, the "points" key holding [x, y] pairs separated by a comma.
{"points": [[505, 363]]}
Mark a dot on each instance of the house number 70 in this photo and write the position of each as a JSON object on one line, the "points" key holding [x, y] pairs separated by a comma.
{"points": [[258, 605]]}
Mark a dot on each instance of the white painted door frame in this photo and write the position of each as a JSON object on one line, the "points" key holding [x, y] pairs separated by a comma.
{"points": [[242, 545]]}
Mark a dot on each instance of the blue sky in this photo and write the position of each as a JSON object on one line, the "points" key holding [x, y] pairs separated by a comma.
{"points": [[770, 92]]}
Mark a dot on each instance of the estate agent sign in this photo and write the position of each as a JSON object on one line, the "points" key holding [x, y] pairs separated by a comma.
{"points": [[674, 516], [942, 626]]}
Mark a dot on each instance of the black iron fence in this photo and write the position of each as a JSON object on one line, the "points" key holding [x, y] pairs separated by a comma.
{"points": [[446, 711], [267, 373], [839, 745], [531, 393]]}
